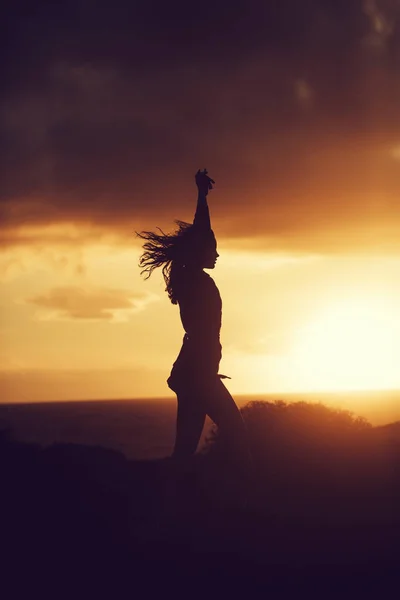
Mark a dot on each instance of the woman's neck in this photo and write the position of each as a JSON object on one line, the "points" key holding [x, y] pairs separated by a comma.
{"points": [[195, 269]]}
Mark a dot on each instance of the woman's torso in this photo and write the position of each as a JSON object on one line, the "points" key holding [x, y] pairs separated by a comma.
{"points": [[200, 308]]}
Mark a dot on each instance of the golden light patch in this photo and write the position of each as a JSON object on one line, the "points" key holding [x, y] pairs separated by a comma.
{"points": [[352, 344]]}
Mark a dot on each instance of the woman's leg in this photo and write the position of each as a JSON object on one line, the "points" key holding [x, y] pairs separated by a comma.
{"points": [[222, 409], [189, 425]]}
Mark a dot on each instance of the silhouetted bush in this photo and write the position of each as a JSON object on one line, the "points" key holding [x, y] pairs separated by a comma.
{"points": [[311, 459]]}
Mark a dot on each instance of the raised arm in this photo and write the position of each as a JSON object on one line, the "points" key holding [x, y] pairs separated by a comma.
{"points": [[202, 216]]}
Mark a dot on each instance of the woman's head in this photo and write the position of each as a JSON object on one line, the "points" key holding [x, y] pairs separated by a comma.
{"points": [[199, 250], [188, 248]]}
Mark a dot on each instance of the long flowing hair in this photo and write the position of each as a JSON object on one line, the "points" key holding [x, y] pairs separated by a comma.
{"points": [[167, 250]]}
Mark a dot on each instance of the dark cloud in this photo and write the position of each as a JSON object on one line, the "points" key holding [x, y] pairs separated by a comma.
{"points": [[76, 303], [294, 106]]}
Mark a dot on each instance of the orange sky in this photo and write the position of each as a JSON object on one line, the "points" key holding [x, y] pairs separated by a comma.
{"points": [[296, 115], [79, 322]]}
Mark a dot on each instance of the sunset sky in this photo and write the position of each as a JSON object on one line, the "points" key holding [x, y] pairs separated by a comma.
{"points": [[107, 111]]}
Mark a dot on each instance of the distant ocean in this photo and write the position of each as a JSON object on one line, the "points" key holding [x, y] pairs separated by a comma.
{"points": [[145, 428]]}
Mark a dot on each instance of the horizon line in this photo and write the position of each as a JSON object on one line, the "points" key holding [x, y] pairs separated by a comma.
{"points": [[258, 395]]}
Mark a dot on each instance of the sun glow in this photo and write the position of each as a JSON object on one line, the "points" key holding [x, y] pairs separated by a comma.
{"points": [[353, 344]]}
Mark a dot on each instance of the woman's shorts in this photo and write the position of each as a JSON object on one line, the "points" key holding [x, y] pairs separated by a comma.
{"points": [[195, 367]]}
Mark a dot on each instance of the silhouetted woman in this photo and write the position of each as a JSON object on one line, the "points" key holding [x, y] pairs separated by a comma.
{"points": [[194, 377]]}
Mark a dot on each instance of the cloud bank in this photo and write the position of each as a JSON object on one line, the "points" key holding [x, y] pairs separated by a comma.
{"points": [[106, 113]]}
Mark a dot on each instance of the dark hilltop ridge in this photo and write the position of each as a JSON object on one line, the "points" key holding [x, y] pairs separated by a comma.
{"points": [[323, 506]]}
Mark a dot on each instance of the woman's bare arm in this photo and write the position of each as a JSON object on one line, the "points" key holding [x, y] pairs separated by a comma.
{"points": [[202, 216]]}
